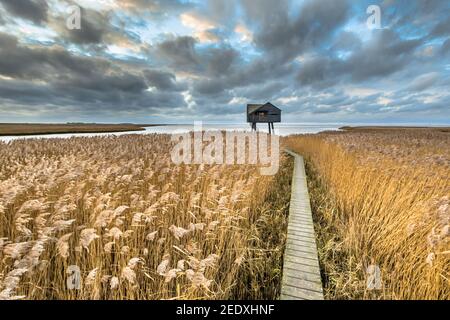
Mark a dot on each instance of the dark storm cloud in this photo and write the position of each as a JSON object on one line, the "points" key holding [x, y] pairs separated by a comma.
{"points": [[346, 41], [94, 27], [62, 104], [279, 34], [262, 92], [23, 92], [66, 79], [33, 10], [209, 87], [44, 63], [220, 60], [101, 82], [382, 56], [385, 54], [82, 100], [316, 70], [257, 72], [97, 29], [162, 80], [180, 52]]}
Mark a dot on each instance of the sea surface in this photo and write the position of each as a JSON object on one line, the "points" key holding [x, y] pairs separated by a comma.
{"points": [[284, 129]]}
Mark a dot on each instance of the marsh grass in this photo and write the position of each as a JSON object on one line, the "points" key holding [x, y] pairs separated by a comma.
{"points": [[137, 226], [24, 129], [381, 198]]}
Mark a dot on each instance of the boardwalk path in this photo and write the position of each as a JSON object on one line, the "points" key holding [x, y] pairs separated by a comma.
{"points": [[301, 272]]}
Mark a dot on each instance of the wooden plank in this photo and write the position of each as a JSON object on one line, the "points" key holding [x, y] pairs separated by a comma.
{"points": [[307, 262], [302, 255], [301, 272], [302, 294], [303, 238], [303, 284], [300, 267], [292, 273]]}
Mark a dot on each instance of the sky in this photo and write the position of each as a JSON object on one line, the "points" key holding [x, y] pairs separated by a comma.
{"points": [[178, 61]]}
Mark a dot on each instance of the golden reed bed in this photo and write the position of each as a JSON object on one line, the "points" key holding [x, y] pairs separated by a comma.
{"points": [[113, 218], [381, 202], [138, 227]]}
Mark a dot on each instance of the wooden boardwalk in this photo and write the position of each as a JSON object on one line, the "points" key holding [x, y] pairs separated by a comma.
{"points": [[301, 272]]}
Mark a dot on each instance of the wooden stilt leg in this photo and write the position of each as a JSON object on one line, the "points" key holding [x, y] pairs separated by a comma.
{"points": [[270, 129]]}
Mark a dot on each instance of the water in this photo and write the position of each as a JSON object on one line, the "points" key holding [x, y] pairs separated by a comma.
{"points": [[284, 129]]}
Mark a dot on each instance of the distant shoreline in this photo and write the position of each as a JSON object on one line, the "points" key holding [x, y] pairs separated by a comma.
{"points": [[375, 128], [29, 129]]}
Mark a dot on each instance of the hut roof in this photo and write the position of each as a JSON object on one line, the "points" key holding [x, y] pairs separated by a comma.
{"points": [[251, 108]]}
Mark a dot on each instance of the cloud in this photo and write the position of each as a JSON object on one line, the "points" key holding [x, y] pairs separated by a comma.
{"points": [[207, 36], [209, 87], [441, 29], [383, 55], [191, 59], [445, 49], [287, 100], [205, 29], [43, 63], [153, 6], [246, 34], [53, 76], [96, 29], [424, 81], [162, 80], [180, 52], [346, 41], [33, 10], [221, 11], [219, 61], [286, 37], [315, 70], [197, 22], [238, 101]]}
